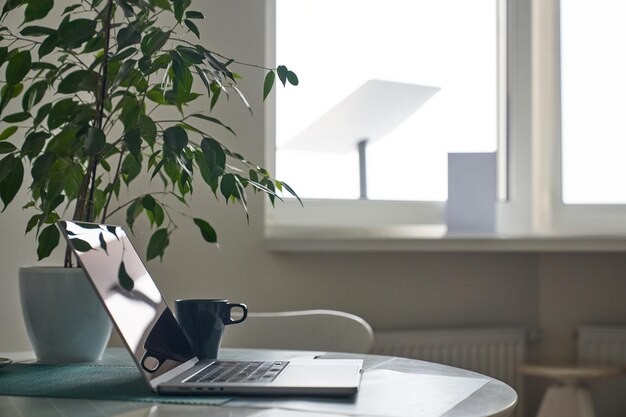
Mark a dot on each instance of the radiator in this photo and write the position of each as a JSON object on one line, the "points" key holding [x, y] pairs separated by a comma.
{"points": [[605, 345], [602, 344], [495, 352]]}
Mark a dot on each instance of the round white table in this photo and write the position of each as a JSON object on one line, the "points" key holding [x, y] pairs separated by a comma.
{"points": [[391, 386]]}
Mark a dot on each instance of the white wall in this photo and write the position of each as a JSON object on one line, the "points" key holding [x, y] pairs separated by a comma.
{"points": [[391, 290]]}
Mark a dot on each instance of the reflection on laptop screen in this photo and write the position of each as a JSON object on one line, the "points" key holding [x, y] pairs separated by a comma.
{"points": [[133, 301]]}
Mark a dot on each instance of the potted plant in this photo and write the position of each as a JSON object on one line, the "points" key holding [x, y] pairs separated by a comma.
{"points": [[81, 120]]}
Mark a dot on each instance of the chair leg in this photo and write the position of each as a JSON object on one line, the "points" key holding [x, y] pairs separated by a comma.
{"points": [[566, 401]]}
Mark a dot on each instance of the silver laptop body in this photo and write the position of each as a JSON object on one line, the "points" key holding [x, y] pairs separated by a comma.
{"points": [[159, 347]]}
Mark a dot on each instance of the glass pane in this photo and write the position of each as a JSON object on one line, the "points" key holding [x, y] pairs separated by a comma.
{"points": [[593, 100], [337, 47]]}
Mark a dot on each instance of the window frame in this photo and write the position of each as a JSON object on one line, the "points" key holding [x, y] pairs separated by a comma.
{"points": [[557, 217], [530, 213]]}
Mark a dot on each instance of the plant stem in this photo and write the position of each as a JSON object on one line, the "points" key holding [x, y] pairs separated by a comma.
{"points": [[83, 201], [118, 170], [100, 104]]}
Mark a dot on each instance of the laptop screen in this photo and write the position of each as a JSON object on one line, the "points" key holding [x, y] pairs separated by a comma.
{"points": [[130, 296]]}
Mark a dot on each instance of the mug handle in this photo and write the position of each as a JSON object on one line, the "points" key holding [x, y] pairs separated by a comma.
{"points": [[243, 308]]}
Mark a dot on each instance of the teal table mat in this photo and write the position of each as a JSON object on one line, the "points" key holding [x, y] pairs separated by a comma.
{"points": [[87, 381]]}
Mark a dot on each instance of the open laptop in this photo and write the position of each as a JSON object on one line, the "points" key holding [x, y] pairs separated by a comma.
{"points": [[158, 345]]}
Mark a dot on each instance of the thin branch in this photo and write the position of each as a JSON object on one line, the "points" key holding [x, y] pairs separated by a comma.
{"points": [[227, 58], [100, 103], [118, 170]]}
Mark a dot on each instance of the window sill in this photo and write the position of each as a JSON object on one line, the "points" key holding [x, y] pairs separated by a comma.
{"points": [[430, 239]]}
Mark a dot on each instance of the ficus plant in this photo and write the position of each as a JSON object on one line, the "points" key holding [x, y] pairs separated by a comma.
{"points": [[79, 112]]}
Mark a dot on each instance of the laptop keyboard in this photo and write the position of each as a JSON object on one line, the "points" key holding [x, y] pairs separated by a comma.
{"points": [[239, 371]]}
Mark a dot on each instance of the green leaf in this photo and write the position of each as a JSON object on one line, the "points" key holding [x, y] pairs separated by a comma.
{"points": [[126, 8], [94, 44], [81, 245], [10, 5], [124, 279], [40, 65], [157, 244], [124, 71], [132, 140], [156, 215], [127, 36], [37, 31], [48, 45], [157, 168], [13, 90], [82, 80], [194, 15], [64, 143], [156, 96], [253, 175], [228, 186], [282, 73], [292, 78], [17, 117], [32, 222], [18, 67], [148, 202], [192, 27], [34, 94], [94, 141], [154, 41], [205, 171], [148, 129], [190, 55], [37, 9], [131, 168], [213, 120], [34, 143], [216, 90], [6, 166], [61, 112], [292, 192], [128, 52], [8, 132], [163, 4], [132, 212], [207, 231], [48, 240], [73, 33], [179, 8], [216, 158], [6, 147], [70, 8], [12, 182], [73, 180], [175, 138], [4, 54], [268, 84], [131, 109], [42, 113]]}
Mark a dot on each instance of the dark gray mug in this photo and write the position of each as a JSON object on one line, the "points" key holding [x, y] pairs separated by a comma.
{"points": [[203, 323]]}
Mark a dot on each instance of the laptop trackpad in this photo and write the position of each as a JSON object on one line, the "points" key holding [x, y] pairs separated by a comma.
{"points": [[321, 372]]}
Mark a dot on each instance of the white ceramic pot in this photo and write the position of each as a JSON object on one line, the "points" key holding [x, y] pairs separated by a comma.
{"points": [[63, 316]]}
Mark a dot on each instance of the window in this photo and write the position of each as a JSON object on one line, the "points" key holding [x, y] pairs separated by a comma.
{"points": [[416, 79], [578, 124], [547, 91], [593, 101]]}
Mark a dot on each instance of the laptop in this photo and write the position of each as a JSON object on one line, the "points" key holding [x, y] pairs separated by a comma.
{"points": [[158, 345]]}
